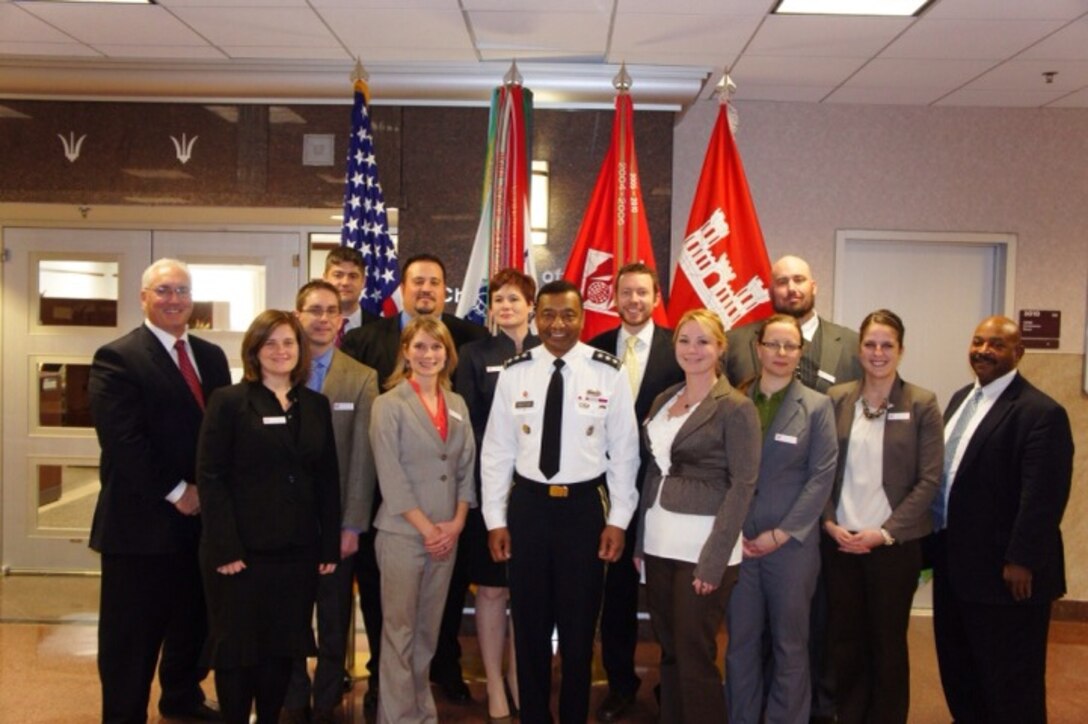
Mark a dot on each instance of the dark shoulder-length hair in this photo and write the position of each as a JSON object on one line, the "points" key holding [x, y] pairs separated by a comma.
{"points": [[434, 328], [258, 333]]}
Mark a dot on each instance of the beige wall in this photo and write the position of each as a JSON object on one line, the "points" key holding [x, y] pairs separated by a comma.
{"points": [[815, 169]]}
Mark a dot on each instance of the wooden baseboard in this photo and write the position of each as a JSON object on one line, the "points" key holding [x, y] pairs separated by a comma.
{"points": [[1066, 610]]}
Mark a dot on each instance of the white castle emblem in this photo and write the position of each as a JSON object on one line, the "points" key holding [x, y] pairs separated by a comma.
{"points": [[710, 277]]}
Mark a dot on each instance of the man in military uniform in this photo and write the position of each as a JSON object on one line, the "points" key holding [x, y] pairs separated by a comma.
{"points": [[563, 434]]}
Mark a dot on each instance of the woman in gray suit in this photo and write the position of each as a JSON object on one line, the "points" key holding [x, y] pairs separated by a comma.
{"points": [[705, 439], [781, 540], [891, 450], [424, 452]]}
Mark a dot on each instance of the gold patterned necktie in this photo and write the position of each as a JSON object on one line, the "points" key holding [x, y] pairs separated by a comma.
{"points": [[630, 361]]}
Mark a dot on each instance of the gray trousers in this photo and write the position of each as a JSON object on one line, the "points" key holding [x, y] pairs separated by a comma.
{"points": [[414, 588]]}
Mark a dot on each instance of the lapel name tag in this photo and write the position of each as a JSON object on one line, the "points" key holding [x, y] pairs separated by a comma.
{"points": [[899, 415], [788, 439], [280, 420], [494, 368], [336, 406], [826, 376], [455, 415], [523, 404]]}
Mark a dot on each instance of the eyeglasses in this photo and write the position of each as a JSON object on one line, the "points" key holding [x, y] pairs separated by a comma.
{"points": [[165, 291], [787, 347], [320, 312]]}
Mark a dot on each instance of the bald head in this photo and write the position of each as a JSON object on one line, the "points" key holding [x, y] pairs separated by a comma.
{"points": [[793, 291], [995, 349]]}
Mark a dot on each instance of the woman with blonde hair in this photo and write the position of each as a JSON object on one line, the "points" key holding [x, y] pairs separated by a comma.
{"points": [[704, 438], [424, 451]]}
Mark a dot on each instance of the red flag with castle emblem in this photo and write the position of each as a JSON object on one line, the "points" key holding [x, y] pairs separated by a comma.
{"points": [[614, 231], [723, 263]]}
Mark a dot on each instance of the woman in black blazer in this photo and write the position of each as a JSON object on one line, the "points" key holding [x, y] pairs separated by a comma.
{"points": [[270, 501]]}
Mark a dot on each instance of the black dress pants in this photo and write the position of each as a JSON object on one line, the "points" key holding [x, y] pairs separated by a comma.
{"points": [[264, 684], [619, 619]]}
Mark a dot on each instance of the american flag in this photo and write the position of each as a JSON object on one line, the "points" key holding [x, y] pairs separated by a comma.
{"points": [[365, 225]]}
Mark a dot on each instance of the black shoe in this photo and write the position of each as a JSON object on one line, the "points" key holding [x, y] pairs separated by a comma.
{"points": [[370, 699], [455, 690], [614, 706], [204, 711]]}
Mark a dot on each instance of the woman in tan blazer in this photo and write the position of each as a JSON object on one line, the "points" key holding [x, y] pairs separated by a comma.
{"points": [[891, 448], [705, 442], [424, 451]]}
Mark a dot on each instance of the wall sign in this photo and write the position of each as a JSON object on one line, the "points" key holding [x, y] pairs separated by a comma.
{"points": [[1040, 328]]}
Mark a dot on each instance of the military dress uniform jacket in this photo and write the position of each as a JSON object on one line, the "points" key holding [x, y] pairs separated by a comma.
{"points": [[599, 436]]}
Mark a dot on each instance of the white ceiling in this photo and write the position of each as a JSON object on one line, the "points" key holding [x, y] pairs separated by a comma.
{"points": [[959, 52]]}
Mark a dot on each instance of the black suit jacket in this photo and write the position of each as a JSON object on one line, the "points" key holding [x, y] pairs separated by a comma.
{"points": [[375, 344], [1009, 495], [661, 372], [263, 488], [147, 422]]}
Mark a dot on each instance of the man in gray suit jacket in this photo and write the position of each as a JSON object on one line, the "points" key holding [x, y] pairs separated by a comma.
{"points": [[831, 350], [351, 388], [830, 357]]}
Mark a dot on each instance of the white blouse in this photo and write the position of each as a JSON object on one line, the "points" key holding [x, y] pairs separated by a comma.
{"points": [[863, 504]]}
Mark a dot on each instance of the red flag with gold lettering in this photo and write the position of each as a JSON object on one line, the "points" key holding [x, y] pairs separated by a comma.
{"points": [[723, 263], [614, 231]]}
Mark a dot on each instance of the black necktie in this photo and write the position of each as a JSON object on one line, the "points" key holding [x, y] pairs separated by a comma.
{"points": [[550, 440]]}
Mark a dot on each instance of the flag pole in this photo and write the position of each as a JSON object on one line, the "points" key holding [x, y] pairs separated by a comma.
{"points": [[626, 241]]}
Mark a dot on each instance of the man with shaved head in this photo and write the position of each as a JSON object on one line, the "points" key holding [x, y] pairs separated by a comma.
{"points": [[998, 561]]}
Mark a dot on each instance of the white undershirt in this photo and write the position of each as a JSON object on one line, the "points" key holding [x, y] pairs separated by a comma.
{"points": [[863, 504]]}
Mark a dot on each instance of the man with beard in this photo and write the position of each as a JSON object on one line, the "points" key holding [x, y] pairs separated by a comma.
{"points": [[829, 357], [650, 365], [830, 353], [423, 291], [998, 560]]}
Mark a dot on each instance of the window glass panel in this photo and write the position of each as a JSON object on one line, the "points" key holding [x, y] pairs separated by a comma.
{"points": [[226, 297], [67, 494], [62, 395], [77, 293]]}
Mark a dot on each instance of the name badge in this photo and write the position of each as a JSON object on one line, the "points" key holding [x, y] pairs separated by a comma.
{"points": [[826, 376], [788, 439], [899, 415], [281, 420], [337, 406], [455, 415], [494, 368], [523, 404]]}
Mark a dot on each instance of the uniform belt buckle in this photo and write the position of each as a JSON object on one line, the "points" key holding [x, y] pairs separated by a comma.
{"points": [[558, 491]]}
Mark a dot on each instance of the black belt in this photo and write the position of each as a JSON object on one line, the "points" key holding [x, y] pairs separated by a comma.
{"points": [[566, 490]]}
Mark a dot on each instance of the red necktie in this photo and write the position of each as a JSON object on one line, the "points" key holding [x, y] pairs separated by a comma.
{"points": [[340, 332], [189, 373]]}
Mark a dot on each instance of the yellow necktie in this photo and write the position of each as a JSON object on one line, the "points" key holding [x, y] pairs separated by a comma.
{"points": [[630, 361]]}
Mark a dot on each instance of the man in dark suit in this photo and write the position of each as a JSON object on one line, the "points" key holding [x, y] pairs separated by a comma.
{"points": [[650, 365], [423, 292], [147, 392], [830, 357], [346, 270], [998, 560], [831, 350], [350, 388]]}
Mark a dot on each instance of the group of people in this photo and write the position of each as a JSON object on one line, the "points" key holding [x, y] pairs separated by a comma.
{"points": [[780, 477]]}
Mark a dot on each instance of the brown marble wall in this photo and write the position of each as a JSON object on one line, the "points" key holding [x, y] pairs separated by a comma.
{"points": [[430, 162]]}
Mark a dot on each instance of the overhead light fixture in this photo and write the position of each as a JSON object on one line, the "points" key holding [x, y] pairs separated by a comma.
{"points": [[538, 203], [898, 8]]}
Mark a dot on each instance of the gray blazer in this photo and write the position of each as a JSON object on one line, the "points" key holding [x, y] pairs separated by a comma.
{"points": [[351, 388], [797, 468], [416, 469], [715, 463], [838, 354], [913, 455]]}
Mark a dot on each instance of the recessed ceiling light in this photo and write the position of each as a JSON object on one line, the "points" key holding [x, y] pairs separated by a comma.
{"points": [[903, 8]]}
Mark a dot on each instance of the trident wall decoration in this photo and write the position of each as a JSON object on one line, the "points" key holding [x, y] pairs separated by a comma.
{"points": [[184, 147], [72, 146]]}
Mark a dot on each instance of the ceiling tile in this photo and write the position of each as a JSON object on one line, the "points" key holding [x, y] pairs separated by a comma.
{"points": [[603, 7], [1008, 9], [116, 24], [1073, 100], [20, 26], [886, 95], [825, 36], [180, 52], [710, 58], [420, 30], [789, 70], [917, 73], [1005, 98], [9, 47], [1028, 74], [971, 39], [540, 32], [1069, 43], [697, 7], [723, 35], [233, 3], [287, 27], [785, 93], [287, 52]]}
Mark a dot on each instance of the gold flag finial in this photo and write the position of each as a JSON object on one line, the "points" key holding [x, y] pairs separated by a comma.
{"points": [[513, 76], [726, 88], [622, 81], [359, 72]]}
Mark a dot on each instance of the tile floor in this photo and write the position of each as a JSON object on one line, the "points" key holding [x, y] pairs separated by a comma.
{"points": [[48, 676]]}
